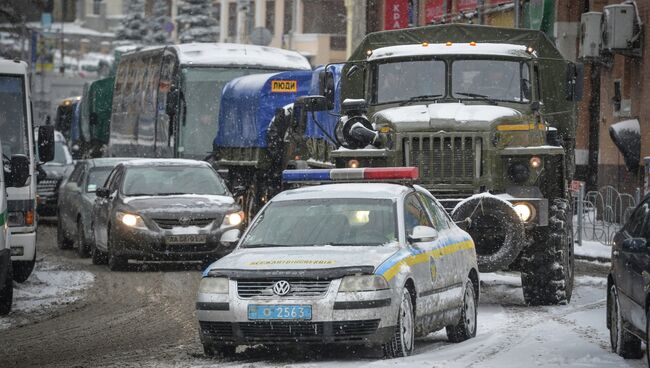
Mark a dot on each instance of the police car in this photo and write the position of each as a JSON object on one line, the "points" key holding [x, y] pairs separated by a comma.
{"points": [[375, 264]]}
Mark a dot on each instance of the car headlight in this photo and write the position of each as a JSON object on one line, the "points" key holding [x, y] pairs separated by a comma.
{"points": [[233, 219], [213, 285], [131, 220], [363, 283]]}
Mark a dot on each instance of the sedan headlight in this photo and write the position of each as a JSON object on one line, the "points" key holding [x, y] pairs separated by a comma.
{"points": [[131, 220], [363, 283], [233, 219], [213, 285]]}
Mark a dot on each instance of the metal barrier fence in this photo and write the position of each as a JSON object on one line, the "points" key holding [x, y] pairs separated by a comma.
{"points": [[600, 214]]}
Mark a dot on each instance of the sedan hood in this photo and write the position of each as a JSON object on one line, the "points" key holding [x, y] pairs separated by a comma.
{"points": [[305, 258], [172, 206]]}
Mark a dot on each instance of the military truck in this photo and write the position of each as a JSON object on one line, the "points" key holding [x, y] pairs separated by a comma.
{"points": [[489, 116], [261, 131]]}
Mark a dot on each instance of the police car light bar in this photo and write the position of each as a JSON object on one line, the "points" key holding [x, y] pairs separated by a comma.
{"points": [[370, 173]]}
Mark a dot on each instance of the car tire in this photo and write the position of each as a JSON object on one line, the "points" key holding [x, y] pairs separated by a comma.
{"points": [[224, 351], [402, 342], [7, 293], [61, 240], [548, 266], [80, 241], [22, 269], [623, 343], [115, 262], [466, 327]]}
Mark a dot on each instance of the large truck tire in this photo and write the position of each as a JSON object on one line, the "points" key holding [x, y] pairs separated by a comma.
{"points": [[22, 269], [497, 230], [547, 267]]}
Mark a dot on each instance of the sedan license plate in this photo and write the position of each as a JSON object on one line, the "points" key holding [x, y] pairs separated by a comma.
{"points": [[186, 239], [279, 312]]}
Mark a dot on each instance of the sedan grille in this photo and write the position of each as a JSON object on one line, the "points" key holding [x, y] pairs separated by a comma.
{"points": [[183, 222], [47, 186], [264, 288], [443, 158], [270, 331]]}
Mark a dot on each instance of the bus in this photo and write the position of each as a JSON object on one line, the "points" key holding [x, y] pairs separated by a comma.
{"points": [[17, 137], [166, 99]]}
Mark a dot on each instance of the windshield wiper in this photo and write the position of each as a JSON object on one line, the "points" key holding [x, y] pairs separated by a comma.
{"points": [[476, 95], [267, 245], [170, 193], [418, 98]]}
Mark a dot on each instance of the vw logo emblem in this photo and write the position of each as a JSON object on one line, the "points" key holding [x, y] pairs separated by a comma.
{"points": [[184, 221], [281, 288]]}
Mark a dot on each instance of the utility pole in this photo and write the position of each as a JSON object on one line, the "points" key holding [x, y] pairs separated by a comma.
{"points": [[62, 67]]}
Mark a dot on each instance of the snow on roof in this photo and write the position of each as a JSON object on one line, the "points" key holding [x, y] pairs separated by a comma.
{"points": [[345, 190], [492, 49], [71, 28], [12, 67], [631, 125], [240, 54]]}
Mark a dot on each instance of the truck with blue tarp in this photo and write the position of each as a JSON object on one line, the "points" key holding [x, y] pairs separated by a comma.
{"points": [[262, 132]]}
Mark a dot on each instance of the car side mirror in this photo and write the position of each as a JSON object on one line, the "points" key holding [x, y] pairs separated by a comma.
{"points": [[634, 245], [102, 192], [230, 237], [19, 166], [313, 103], [423, 234], [46, 143]]}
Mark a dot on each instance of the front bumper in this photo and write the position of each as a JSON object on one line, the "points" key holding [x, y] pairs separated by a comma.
{"points": [[150, 245], [23, 244], [365, 318]]}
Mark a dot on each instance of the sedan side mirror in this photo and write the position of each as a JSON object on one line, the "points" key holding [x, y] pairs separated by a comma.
{"points": [[229, 237], [634, 245], [102, 192], [423, 234]]}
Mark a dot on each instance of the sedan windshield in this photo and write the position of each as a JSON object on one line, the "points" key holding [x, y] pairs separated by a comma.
{"points": [[336, 222], [172, 180]]}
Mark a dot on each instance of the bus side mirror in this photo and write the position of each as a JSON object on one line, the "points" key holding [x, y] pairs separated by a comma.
{"points": [[172, 101], [19, 173], [46, 143], [326, 87], [574, 84]]}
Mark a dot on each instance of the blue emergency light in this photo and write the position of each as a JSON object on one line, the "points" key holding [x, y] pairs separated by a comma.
{"points": [[370, 173]]}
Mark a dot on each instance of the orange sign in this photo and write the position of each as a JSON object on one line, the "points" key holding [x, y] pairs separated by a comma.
{"points": [[284, 86]]}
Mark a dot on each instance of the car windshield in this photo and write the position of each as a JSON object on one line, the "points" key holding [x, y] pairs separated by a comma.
{"points": [[12, 115], [202, 96], [401, 81], [496, 80], [336, 222], [97, 178], [172, 180]]}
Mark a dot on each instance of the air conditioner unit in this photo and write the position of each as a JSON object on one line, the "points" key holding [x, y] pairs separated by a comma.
{"points": [[618, 27], [590, 34]]}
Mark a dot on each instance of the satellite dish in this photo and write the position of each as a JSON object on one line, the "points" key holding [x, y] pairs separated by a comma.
{"points": [[261, 36]]}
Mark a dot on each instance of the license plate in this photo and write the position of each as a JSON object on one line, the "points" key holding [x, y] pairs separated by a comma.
{"points": [[186, 239], [279, 312]]}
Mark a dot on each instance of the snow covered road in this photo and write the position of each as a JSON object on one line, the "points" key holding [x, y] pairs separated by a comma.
{"points": [[146, 319]]}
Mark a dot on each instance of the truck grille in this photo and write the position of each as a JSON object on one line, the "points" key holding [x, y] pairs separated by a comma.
{"points": [[443, 158], [47, 186], [264, 288], [177, 222]]}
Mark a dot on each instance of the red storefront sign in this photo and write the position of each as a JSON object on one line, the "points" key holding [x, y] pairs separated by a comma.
{"points": [[396, 14], [465, 5], [434, 10]]}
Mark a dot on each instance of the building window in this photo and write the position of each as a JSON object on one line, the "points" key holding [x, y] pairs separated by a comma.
{"points": [[97, 6]]}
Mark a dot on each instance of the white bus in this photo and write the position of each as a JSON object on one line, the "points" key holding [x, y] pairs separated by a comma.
{"points": [[166, 99], [17, 137]]}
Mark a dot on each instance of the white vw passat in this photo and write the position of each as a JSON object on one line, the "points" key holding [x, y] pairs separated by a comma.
{"points": [[361, 263]]}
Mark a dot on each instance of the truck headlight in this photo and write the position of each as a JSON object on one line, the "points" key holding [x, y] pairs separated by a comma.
{"points": [[213, 285], [363, 283], [233, 219], [525, 211], [131, 220]]}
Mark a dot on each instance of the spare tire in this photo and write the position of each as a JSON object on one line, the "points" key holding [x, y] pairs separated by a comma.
{"points": [[497, 230]]}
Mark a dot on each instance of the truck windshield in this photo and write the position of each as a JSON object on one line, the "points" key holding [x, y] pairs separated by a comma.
{"points": [[335, 222], [495, 80], [202, 96], [401, 81], [13, 119]]}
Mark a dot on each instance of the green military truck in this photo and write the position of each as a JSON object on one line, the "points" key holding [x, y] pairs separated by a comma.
{"points": [[488, 115]]}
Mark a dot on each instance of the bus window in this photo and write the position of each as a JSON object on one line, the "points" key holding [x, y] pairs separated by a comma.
{"points": [[13, 117], [164, 133]]}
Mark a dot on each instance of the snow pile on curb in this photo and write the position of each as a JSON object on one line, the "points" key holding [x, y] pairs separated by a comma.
{"points": [[50, 285], [593, 250]]}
